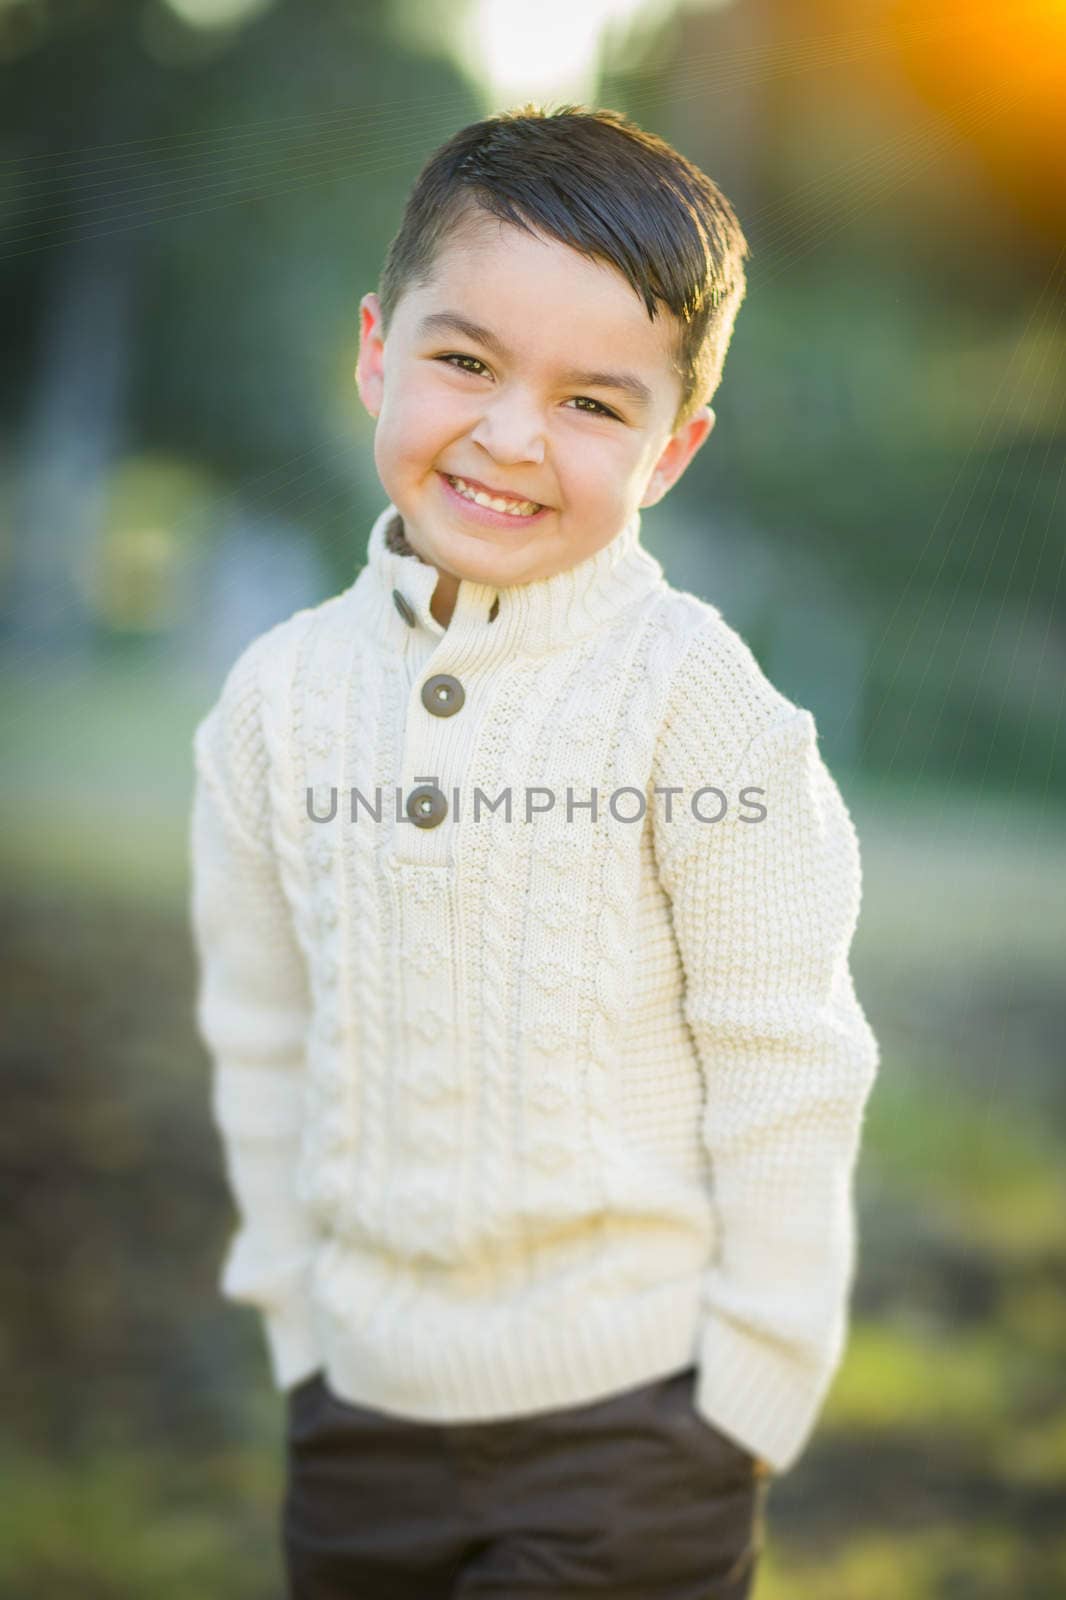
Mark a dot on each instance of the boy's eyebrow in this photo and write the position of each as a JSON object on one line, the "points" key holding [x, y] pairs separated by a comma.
{"points": [[453, 322]]}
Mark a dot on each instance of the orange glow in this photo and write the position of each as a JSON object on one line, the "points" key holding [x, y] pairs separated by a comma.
{"points": [[1016, 56]]}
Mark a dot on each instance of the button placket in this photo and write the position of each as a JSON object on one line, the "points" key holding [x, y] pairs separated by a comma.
{"points": [[469, 638], [443, 695], [426, 805]]}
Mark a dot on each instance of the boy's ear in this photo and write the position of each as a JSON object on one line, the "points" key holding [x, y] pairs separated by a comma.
{"points": [[370, 367], [677, 455]]}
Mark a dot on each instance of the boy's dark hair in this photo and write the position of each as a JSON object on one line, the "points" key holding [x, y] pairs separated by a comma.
{"points": [[595, 181]]}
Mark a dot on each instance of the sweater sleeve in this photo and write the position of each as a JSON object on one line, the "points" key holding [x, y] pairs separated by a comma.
{"points": [[252, 1013], [764, 913]]}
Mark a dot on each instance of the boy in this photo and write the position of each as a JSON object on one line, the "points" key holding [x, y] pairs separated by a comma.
{"points": [[523, 904]]}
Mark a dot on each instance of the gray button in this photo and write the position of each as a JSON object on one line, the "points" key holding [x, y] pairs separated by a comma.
{"points": [[426, 806], [443, 695], [403, 608]]}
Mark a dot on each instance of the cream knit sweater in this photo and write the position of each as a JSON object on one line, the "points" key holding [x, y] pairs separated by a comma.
{"points": [[521, 1112]]}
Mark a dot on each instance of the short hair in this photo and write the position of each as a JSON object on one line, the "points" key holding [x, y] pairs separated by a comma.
{"points": [[597, 182]]}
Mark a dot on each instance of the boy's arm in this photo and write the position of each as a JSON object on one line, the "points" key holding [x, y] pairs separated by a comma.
{"points": [[764, 913], [252, 1013]]}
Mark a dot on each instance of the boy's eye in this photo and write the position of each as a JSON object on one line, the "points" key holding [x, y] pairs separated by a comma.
{"points": [[582, 399], [474, 359]]}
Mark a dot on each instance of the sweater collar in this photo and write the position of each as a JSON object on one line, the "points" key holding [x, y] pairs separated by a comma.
{"points": [[529, 618]]}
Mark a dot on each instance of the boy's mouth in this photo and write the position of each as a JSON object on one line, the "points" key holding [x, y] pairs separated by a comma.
{"points": [[492, 500]]}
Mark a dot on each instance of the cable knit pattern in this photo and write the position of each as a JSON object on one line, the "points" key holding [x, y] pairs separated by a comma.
{"points": [[521, 1109]]}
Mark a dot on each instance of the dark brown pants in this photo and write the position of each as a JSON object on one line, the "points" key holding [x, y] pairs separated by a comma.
{"points": [[634, 1496]]}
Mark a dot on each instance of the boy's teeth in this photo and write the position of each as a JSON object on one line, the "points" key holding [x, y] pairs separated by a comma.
{"points": [[516, 508]]}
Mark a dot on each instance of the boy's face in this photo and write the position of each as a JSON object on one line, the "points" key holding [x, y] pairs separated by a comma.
{"points": [[523, 416]]}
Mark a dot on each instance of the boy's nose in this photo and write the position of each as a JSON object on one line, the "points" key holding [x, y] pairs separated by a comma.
{"points": [[511, 432]]}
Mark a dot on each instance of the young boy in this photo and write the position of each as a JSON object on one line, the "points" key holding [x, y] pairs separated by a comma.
{"points": [[523, 904]]}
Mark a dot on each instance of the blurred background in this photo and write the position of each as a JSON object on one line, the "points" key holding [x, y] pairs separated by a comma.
{"points": [[194, 194]]}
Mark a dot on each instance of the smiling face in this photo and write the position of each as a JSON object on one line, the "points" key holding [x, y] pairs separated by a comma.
{"points": [[528, 370]]}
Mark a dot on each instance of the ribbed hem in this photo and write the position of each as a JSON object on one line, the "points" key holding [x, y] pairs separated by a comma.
{"points": [[516, 1366], [414, 1365], [291, 1343], [757, 1392]]}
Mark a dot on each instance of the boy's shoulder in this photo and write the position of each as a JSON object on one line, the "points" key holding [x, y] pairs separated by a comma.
{"points": [[717, 686], [231, 741], [722, 718], [269, 658], [274, 650]]}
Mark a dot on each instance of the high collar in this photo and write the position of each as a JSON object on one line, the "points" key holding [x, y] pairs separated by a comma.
{"points": [[527, 618]]}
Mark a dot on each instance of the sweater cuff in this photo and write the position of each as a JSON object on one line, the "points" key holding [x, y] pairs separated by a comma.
{"points": [[291, 1342], [758, 1393]]}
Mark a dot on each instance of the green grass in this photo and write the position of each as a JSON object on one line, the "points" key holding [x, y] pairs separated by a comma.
{"points": [[990, 1563], [123, 1525], [985, 1168], [98, 781]]}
